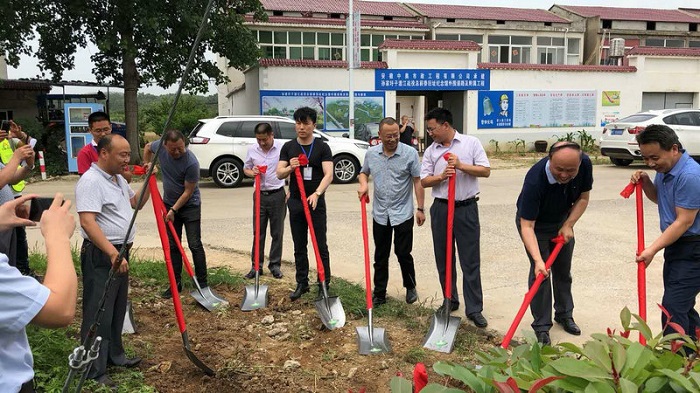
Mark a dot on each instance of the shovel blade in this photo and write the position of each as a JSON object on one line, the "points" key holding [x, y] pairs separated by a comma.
{"points": [[129, 327], [377, 344], [253, 301], [442, 333], [193, 358], [208, 299], [331, 312]]}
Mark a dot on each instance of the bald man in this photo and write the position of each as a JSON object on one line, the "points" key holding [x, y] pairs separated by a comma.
{"points": [[554, 196]]}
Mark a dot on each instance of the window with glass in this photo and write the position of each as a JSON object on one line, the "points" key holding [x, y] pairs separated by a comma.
{"points": [[550, 50], [287, 44], [661, 42], [509, 49], [369, 44]]}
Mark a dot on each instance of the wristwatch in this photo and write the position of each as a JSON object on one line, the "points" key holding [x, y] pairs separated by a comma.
{"points": [[174, 210], [318, 192], [420, 209]]}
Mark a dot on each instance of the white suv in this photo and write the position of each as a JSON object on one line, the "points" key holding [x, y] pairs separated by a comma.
{"points": [[221, 144]]}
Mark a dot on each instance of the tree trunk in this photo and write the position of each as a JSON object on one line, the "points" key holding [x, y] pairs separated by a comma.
{"points": [[131, 106]]}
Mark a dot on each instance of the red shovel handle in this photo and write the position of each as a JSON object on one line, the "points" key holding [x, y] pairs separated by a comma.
{"points": [[365, 241], [257, 222], [450, 229], [309, 222], [157, 203], [559, 240], [641, 266]]}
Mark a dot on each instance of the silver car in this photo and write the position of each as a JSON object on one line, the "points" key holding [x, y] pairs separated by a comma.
{"points": [[618, 139], [220, 144]]}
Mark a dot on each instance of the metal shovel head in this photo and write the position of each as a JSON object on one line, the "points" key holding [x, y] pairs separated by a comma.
{"points": [[129, 327], [442, 333], [331, 312], [376, 344], [208, 299], [193, 358], [252, 299]]}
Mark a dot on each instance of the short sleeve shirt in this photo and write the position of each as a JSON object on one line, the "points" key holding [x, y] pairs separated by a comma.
{"points": [[543, 202], [97, 193], [175, 172], [679, 187], [22, 299], [86, 156], [393, 182], [469, 150], [317, 152]]}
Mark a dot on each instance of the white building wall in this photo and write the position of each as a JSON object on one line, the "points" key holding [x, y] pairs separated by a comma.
{"points": [[629, 25], [245, 101], [666, 26], [3, 68]]}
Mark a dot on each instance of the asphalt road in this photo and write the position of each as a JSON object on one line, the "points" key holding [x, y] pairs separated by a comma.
{"points": [[603, 270]]}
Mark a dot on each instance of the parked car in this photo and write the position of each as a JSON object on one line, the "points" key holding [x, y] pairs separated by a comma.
{"points": [[618, 139], [369, 132], [220, 144]]}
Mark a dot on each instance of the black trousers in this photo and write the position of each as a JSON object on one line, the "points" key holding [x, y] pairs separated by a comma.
{"points": [[191, 218], [403, 245], [299, 227], [558, 283], [467, 235], [681, 286], [22, 250], [95, 267], [273, 209]]}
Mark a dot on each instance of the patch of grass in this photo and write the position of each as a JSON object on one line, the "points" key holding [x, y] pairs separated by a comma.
{"points": [[415, 355]]}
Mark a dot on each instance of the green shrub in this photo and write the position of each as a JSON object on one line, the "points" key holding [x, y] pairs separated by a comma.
{"points": [[607, 363]]}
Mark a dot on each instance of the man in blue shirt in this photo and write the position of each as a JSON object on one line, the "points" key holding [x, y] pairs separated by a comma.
{"points": [[180, 172], [23, 300], [676, 190], [554, 196], [395, 168]]}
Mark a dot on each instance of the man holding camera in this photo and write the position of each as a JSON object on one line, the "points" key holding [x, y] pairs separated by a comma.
{"points": [[105, 204], [25, 301]]}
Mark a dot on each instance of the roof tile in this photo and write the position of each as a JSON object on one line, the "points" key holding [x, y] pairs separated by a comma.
{"points": [[556, 67], [337, 22], [317, 63], [430, 45], [633, 14], [659, 51], [338, 6], [487, 13]]}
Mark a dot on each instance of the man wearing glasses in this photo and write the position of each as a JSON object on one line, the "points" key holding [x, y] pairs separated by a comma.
{"points": [[99, 126], [554, 196], [467, 161]]}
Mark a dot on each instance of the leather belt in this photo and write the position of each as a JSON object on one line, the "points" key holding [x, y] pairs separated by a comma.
{"points": [[465, 202], [270, 192]]}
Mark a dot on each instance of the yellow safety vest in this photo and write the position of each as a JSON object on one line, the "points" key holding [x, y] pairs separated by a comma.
{"points": [[6, 153]]}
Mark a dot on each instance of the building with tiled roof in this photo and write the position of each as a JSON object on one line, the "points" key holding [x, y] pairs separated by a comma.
{"points": [[415, 56]]}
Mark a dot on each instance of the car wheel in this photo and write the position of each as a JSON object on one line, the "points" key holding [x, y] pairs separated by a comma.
{"points": [[345, 169], [227, 173], [620, 161]]}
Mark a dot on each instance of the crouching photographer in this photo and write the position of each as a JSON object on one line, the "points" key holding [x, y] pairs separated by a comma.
{"points": [[23, 300]]}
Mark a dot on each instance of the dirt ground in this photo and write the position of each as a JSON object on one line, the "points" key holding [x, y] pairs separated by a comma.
{"points": [[290, 352]]}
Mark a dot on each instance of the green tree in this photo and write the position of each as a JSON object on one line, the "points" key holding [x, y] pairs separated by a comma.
{"points": [[189, 110], [139, 43]]}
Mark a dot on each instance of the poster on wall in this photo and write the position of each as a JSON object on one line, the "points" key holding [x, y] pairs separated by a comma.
{"points": [[495, 109], [538, 109], [333, 107], [610, 98]]}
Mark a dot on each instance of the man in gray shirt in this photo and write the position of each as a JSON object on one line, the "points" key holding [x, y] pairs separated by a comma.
{"points": [[181, 196], [396, 169], [105, 204]]}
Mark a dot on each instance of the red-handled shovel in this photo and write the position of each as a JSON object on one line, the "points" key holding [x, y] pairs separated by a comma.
{"points": [[205, 297], [641, 266], [443, 328], [559, 240], [255, 296], [329, 308], [173, 287], [370, 340]]}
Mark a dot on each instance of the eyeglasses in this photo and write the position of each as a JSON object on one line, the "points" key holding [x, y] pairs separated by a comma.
{"points": [[566, 145], [432, 129]]}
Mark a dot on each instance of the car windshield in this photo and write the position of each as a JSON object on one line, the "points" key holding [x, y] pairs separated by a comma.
{"points": [[637, 118]]}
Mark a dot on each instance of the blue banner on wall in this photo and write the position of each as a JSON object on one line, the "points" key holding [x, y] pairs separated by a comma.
{"points": [[495, 109], [332, 106], [431, 79]]}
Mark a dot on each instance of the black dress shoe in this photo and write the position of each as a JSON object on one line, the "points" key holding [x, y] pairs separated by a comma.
{"points": [[128, 362], [276, 273], [301, 289], [543, 338], [569, 325], [168, 293], [378, 301], [478, 319], [411, 295], [251, 274], [453, 307]]}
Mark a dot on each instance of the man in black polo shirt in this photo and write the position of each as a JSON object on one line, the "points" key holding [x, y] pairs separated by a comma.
{"points": [[317, 175], [554, 196]]}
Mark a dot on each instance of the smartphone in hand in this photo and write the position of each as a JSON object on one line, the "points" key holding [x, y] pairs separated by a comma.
{"points": [[37, 207], [5, 126]]}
